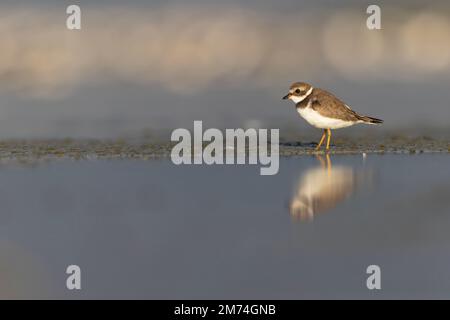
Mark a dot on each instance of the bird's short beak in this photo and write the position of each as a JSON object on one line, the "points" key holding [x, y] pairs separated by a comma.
{"points": [[287, 96]]}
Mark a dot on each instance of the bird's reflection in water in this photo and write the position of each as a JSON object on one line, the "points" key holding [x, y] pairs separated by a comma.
{"points": [[322, 188]]}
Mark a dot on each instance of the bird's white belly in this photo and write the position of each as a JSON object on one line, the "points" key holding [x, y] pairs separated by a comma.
{"points": [[317, 120]]}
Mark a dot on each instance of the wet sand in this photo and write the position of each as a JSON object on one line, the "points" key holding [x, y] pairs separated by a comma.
{"points": [[42, 150]]}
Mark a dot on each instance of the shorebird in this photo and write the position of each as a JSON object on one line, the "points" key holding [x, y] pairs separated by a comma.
{"points": [[323, 110]]}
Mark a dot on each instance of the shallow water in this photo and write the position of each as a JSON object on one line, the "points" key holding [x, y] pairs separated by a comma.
{"points": [[150, 229]]}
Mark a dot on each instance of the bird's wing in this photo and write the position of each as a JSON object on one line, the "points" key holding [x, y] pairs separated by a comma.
{"points": [[330, 106]]}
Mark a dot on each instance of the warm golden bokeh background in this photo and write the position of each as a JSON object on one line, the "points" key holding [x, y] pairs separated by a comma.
{"points": [[155, 66]]}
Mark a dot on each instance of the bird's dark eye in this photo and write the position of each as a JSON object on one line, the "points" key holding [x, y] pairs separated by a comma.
{"points": [[297, 91]]}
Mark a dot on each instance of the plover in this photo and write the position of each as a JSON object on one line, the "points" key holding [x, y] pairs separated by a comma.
{"points": [[323, 110]]}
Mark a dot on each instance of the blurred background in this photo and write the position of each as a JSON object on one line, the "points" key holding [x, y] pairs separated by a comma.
{"points": [[141, 67]]}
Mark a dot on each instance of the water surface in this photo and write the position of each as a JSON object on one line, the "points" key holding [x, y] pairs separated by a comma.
{"points": [[150, 229]]}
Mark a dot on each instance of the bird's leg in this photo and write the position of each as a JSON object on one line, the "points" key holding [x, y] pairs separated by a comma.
{"points": [[329, 139], [321, 140]]}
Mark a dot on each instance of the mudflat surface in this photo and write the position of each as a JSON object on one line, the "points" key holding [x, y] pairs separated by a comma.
{"points": [[37, 150], [374, 145]]}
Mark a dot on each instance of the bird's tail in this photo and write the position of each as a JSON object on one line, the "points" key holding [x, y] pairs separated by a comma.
{"points": [[370, 120]]}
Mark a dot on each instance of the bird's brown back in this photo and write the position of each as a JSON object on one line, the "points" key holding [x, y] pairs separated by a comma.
{"points": [[329, 106]]}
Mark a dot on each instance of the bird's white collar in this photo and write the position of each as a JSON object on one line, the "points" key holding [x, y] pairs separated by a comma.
{"points": [[298, 99]]}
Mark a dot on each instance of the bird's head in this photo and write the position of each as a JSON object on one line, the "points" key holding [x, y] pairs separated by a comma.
{"points": [[298, 91]]}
